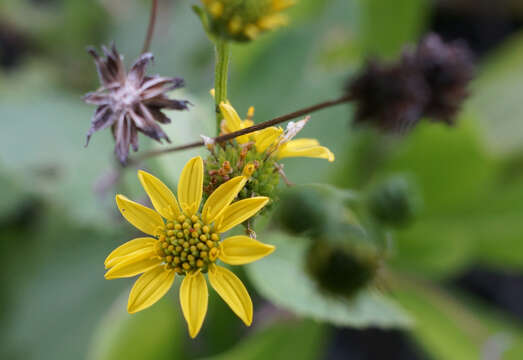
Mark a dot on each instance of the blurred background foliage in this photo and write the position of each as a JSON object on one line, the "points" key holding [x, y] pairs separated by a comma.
{"points": [[453, 284]]}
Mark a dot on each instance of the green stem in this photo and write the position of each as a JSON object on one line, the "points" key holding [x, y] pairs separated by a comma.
{"points": [[220, 79]]}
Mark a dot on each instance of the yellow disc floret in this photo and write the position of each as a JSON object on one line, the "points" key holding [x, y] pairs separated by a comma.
{"points": [[188, 244]]}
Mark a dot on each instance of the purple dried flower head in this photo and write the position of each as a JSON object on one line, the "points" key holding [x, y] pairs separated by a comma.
{"points": [[448, 69], [389, 96], [130, 102]]}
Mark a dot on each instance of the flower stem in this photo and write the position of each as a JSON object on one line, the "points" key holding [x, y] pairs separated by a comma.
{"points": [[221, 77], [150, 28]]}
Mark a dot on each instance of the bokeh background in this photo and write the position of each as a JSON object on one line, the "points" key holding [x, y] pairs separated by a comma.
{"points": [[460, 293]]}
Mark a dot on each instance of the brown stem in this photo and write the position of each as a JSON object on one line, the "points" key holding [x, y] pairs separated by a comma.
{"points": [[150, 28], [257, 127]]}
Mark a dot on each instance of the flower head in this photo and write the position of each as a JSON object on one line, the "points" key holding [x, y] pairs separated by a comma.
{"points": [[186, 241], [244, 20], [257, 154], [273, 141], [130, 102], [430, 80], [447, 69]]}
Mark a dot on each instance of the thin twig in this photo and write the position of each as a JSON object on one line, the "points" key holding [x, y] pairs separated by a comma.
{"points": [[251, 129], [150, 28]]}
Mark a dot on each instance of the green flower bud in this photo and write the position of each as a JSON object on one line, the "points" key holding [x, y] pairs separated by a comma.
{"points": [[394, 202], [311, 209], [342, 265]]}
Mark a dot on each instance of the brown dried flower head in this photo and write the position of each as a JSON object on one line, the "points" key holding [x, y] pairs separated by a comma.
{"points": [[391, 97], [130, 102], [447, 68], [430, 80]]}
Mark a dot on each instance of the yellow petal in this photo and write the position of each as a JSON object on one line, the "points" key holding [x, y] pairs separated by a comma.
{"points": [[149, 288], [267, 137], [233, 122], [194, 297], [241, 249], [232, 291], [162, 198], [143, 218], [221, 198], [128, 248], [232, 119], [190, 186], [240, 211], [272, 21], [136, 263], [304, 148], [247, 123], [301, 143]]}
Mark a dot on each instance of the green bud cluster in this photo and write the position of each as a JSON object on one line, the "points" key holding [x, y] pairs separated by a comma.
{"points": [[229, 160], [187, 244]]}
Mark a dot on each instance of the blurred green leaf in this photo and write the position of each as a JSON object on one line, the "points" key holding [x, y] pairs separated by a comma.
{"points": [[293, 340], [281, 278], [44, 149], [156, 333], [436, 326], [497, 97], [450, 165], [454, 327], [55, 289], [385, 34]]}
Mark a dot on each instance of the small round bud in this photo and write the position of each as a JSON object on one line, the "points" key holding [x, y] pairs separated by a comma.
{"points": [[394, 202], [309, 209], [341, 269]]}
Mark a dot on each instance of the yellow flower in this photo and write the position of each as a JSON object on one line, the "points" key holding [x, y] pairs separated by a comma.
{"points": [[273, 140], [188, 243], [244, 20]]}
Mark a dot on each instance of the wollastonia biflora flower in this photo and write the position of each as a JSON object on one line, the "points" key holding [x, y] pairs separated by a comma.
{"points": [[130, 102], [244, 20], [256, 155], [188, 243]]}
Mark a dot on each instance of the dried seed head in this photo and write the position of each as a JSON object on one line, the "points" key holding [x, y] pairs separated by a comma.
{"points": [[447, 69], [130, 102], [391, 97], [430, 80]]}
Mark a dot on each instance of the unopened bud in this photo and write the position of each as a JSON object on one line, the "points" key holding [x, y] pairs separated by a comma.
{"points": [[394, 202], [343, 267]]}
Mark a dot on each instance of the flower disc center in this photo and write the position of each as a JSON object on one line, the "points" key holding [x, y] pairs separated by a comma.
{"points": [[188, 244]]}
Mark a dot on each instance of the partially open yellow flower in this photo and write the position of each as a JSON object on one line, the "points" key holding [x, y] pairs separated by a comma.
{"points": [[244, 20], [274, 140], [188, 243]]}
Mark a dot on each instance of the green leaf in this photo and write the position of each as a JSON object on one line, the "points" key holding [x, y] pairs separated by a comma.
{"points": [[497, 97], [293, 340], [281, 278], [44, 149], [389, 25], [454, 327], [156, 333], [437, 329]]}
